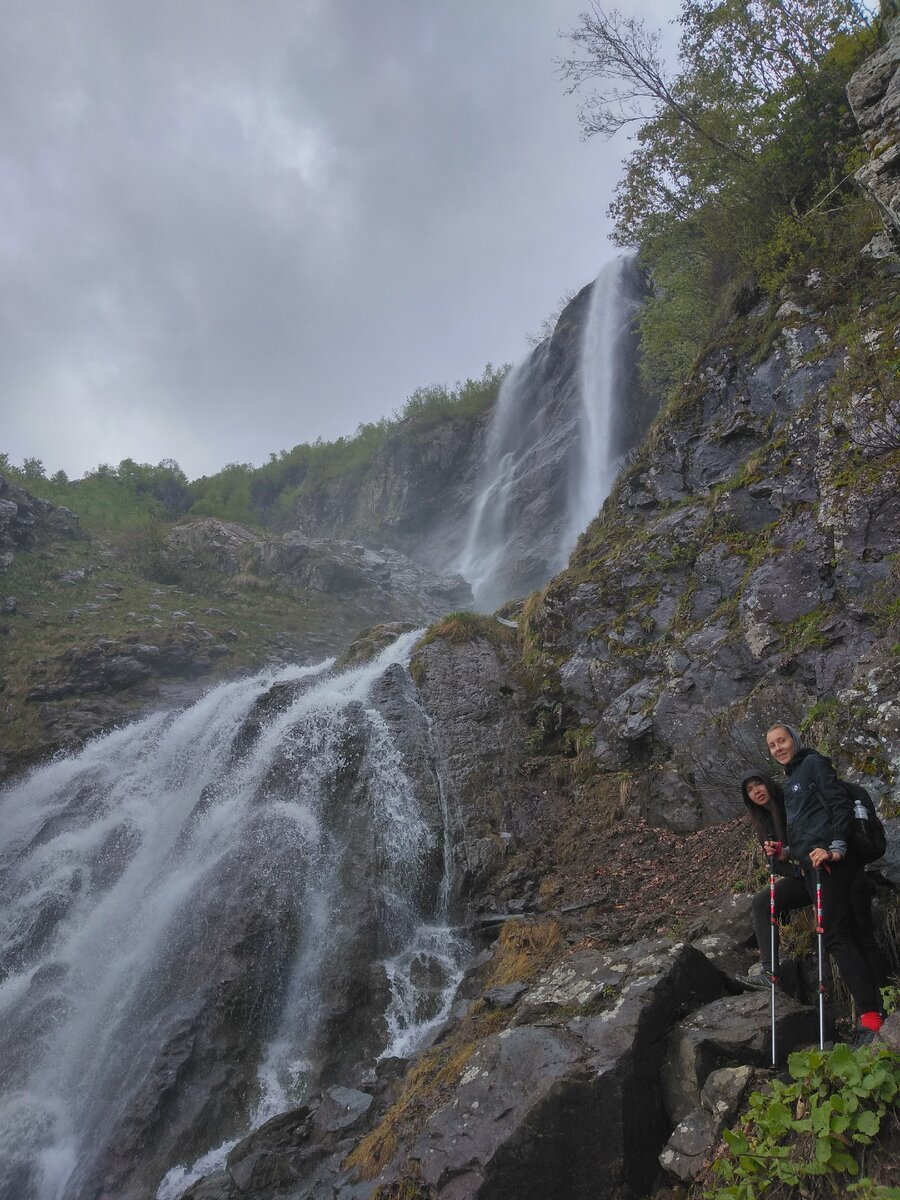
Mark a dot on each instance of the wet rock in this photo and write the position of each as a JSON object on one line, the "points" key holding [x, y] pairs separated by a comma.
{"points": [[477, 731], [274, 1157], [340, 1109], [218, 1186]]}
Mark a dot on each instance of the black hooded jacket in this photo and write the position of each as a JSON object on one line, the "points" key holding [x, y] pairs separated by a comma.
{"points": [[769, 820], [818, 806]]}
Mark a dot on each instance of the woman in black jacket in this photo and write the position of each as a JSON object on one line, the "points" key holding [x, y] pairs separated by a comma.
{"points": [[818, 815], [765, 807]]}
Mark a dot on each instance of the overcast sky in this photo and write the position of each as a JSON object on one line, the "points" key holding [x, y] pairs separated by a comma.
{"points": [[229, 226]]}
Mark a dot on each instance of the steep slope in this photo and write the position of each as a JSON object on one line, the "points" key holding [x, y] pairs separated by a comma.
{"points": [[97, 629], [746, 566]]}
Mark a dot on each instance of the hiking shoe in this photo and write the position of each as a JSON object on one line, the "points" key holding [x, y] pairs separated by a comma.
{"points": [[862, 1037], [757, 977]]}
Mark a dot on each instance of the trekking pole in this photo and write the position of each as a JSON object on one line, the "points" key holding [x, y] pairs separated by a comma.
{"points": [[773, 968], [820, 930]]}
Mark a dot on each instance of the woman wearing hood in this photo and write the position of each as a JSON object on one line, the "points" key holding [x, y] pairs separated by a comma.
{"points": [[764, 801], [818, 814]]}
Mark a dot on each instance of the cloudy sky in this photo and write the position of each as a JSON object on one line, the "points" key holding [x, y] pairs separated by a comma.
{"points": [[228, 226]]}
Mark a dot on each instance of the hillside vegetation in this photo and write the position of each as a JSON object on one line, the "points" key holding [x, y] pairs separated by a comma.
{"points": [[138, 496]]}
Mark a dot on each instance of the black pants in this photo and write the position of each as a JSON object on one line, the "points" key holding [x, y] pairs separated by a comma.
{"points": [[846, 919]]}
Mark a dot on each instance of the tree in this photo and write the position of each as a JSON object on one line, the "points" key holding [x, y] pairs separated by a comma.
{"points": [[59, 477], [737, 146], [33, 468], [627, 55]]}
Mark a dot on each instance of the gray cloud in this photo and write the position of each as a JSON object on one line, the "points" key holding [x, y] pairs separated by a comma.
{"points": [[228, 226]]}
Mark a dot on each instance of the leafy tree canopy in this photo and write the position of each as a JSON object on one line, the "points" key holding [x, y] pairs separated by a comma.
{"points": [[742, 149]]}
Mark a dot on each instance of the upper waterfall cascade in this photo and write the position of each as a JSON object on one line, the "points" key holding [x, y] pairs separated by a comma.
{"points": [[140, 877], [552, 447], [603, 368]]}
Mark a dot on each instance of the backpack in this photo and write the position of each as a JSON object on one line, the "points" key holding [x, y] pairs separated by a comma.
{"points": [[867, 839]]}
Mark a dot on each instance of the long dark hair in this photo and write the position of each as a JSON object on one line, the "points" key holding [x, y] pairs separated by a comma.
{"points": [[769, 821]]}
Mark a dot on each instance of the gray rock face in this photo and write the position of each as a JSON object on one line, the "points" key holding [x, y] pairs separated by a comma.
{"points": [[384, 584], [23, 517], [733, 1029], [477, 733], [693, 1138], [874, 95], [567, 1107], [719, 592], [414, 497]]}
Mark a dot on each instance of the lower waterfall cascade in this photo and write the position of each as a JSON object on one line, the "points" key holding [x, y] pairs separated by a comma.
{"points": [[194, 854]]}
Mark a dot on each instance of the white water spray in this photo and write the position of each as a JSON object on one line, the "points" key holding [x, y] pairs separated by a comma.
{"points": [[600, 371], [553, 441], [512, 434], [118, 868]]}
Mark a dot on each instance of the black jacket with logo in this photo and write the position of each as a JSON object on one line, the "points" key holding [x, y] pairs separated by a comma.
{"points": [[818, 807]]}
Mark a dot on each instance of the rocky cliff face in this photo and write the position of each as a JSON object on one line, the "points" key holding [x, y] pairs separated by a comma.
{"points": [[874, 95], [413, 497], [744, 569]]}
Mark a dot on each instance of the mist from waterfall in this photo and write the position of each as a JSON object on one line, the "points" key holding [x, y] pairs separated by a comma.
{"points": [[566, 447], [510, 437], [122, 868]]}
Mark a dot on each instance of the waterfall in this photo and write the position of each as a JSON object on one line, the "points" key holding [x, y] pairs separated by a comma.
{"points": [[517, 426], [553, 445], [426, 972], [602, 374], [194, 877]]}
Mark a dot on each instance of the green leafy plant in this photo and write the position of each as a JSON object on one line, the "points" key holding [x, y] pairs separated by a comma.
{"points": [[811, 1127]]}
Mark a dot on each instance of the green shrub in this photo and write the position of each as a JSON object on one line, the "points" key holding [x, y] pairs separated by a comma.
{"points": [[811, 1129]]}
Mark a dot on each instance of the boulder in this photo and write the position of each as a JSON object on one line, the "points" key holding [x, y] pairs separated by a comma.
{"points": [[732, 1029], [694, 1137], [566, 1102]]}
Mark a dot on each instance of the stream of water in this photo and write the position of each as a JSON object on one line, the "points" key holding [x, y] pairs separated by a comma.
{"points": [[171, 850]]}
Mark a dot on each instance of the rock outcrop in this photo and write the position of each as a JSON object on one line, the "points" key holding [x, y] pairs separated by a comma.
{"points": [[741, 571], [24, 518], [384, 584], [874, 95]]}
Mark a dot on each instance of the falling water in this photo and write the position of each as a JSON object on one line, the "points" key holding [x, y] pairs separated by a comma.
{"points": [[516, 426], [553, 445], [426, 972], [126, 872], [601, 374]]}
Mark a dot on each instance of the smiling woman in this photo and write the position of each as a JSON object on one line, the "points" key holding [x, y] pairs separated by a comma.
{"points": [[818, 813]]}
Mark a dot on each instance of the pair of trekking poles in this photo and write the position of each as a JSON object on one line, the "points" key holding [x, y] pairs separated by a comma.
{"points": [[773, 954]]}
